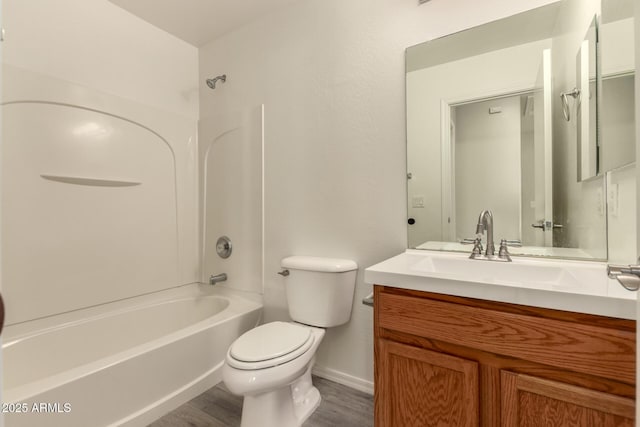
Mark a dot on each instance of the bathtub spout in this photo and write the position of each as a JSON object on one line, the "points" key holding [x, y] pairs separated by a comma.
{"points": [[217, 278]]}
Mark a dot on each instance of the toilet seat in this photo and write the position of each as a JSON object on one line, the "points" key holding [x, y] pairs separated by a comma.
{"points": [[269, 345]]}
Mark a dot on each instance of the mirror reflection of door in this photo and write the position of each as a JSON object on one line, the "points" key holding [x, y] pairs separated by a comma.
{"points": [[502, 157], [488, 163]]}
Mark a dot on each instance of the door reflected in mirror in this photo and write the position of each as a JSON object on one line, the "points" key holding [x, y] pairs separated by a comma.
{"points": [[482, 138]]}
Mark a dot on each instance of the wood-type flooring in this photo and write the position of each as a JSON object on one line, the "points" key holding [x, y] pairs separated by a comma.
{"points": [[341, 407]]}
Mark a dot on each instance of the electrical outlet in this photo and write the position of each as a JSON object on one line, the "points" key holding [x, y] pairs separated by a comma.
{"points": [[417, 201]]}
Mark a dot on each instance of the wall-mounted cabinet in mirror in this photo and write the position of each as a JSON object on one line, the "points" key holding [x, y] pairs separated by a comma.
{"points": [[587, 96], [486, 130]]}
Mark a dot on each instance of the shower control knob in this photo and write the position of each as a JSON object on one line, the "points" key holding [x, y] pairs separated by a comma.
{"points": [[223, 247]]}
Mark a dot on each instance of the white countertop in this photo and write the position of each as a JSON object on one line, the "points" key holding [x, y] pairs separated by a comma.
{"points": [[578, 286]]}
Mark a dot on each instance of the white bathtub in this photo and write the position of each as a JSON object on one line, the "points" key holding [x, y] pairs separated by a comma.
{"points": [[123, 363]]}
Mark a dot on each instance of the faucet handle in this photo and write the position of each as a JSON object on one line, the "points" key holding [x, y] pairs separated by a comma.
{"points": [[477, 248], [503, 252]]}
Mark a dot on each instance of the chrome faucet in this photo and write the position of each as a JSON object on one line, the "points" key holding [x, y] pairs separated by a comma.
{"points": [[217, 278], [485, 223]]}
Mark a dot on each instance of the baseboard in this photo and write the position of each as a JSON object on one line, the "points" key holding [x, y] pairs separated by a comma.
{"points": [[344, 379]]}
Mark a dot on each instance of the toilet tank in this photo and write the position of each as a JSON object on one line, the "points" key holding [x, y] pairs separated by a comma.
{"points": [[320, 290]]}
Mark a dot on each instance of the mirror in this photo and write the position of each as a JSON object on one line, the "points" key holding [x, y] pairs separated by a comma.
{"points": [[486, 129]]}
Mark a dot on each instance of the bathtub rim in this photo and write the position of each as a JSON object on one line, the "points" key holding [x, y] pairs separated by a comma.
{"points": [[27, 329], [239, 305]]}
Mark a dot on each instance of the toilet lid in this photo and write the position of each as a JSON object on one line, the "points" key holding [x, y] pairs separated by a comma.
{"points": [[271, 342]]}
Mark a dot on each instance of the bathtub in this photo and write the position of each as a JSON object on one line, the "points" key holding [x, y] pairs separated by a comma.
{"points": [[123, 363]]}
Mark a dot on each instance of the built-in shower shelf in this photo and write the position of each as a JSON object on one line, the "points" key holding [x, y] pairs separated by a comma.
{"points": [[96, 182]]}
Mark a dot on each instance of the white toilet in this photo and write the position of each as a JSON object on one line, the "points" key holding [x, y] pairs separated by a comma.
{"points": [[271, 365]]}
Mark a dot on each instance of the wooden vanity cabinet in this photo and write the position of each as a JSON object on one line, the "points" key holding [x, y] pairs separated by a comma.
{"points": [[450, 361]]}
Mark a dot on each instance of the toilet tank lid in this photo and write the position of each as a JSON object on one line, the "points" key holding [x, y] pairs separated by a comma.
{"points": [[310, 263]]}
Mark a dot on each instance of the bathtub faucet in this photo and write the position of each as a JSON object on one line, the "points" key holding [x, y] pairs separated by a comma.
{"points": [[217, 278]]}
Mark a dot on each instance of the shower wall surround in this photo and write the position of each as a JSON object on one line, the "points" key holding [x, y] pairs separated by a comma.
{"points": [[84, 101], [331, 77], [230, 147]]}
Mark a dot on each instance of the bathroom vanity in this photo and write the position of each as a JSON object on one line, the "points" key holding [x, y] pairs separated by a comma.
{"points": [[515, 119], [463, 347]]}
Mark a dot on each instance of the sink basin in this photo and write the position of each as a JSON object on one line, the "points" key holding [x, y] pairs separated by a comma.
{"points": [[516, 273], [581, 286]]}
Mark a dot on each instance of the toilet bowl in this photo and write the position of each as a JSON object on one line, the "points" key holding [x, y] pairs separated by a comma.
{"points": [[276, 383], [271, 365]]}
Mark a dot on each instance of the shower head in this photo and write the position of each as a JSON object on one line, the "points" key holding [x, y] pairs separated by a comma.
{"points": [[212, 82]]}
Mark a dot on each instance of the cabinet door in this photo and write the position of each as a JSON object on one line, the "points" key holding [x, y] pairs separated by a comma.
{"points": [[530, 401], [418, 387]]}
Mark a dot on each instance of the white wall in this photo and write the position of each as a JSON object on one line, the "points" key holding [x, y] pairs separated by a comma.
{"points": [[617, 122], [94, 56], [617, 46], [96, 44], [622, 211], [331, 76], [618, 53]]}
